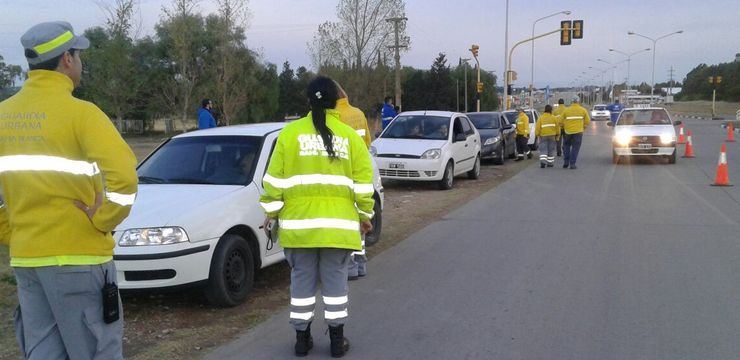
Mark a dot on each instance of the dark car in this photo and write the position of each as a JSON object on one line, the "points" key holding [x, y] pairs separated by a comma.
{"points": [[497, 135]]}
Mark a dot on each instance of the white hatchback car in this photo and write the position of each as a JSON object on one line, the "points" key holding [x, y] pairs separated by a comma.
{"points": [[418, 145], [197, 219], [644, 132]]}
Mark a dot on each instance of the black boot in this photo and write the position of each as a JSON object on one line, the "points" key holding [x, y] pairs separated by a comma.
{"points": [[303, 341], [339, 343]]}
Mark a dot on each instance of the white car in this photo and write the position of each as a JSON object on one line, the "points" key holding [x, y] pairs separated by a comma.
{"points": [[600, 112], [197, 218], [418, 145], [533, 115], [644, 132]]}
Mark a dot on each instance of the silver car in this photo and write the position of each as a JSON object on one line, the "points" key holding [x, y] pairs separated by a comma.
{"points": [[644, 132]]}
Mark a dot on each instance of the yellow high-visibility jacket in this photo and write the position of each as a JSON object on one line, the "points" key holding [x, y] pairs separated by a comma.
{"points": [[522, 125], [319, 201], [55, 149], [548, 125], [575, 119], [355, 118], [558, 111]]}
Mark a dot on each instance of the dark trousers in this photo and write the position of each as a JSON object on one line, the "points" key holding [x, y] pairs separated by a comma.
{"points": [[559, 146], [521, 145], [571, 146]]}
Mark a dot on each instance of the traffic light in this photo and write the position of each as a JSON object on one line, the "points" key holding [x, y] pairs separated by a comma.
{"points": [[474, 49], [578, 29], [714, 80], [509, 89], [479, 87], [512, 75], [565, 32]]}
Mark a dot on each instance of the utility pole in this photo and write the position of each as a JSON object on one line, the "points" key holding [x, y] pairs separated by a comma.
{"points": [[670, 75], [465, 71], [396, 23]]}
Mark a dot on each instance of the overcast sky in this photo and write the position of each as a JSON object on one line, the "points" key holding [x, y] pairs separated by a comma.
{"points": [[280, 30]]}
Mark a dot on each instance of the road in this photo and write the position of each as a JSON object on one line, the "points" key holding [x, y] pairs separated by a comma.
{"points": [[633, 261]]}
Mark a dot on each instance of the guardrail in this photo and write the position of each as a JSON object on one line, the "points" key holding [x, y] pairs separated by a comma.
{"points": [[129, 126]]}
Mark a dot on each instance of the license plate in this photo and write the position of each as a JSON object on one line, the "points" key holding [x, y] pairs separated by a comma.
{"points": [[644, 146], [397, 165]]}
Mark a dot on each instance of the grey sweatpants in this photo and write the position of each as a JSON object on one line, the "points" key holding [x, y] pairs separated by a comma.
{"points": [[548, 147], [60, 313], [308, 267]]}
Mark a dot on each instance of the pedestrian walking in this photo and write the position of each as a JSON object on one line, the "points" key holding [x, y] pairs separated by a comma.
{"points": [[522, 136], [68, 179], [206, 120], [319, 187], [547, 129], [575, 120], [558, 111], [388, 112], [356, 119]]}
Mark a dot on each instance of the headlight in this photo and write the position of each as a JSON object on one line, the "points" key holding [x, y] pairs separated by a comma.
{"points": [[491, 141], [373, 151], [666, 139], [153, 236], [432, 154], [623, 138]]}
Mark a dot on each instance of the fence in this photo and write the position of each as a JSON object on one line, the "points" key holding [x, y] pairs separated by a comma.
{"points": [[129, 126]]}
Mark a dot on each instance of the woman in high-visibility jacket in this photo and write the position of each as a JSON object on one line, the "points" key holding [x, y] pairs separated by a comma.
{"points": [[319, 186], [547, 129], [522, 136]]}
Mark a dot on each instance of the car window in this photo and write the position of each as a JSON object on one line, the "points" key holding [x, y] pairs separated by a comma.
{"points": [[599, 108], [511, 116], [219, 160], [467, 129], [486, 121], [644, 117], [425, 127], [457, 127]]}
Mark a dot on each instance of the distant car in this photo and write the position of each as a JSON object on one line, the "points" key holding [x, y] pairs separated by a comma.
{"points": [[533, 115], [197, 218], [419, 146], [644, 132], [600, 112], [496, 134]]}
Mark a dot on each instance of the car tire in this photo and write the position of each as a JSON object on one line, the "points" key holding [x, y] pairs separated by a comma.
{"points": [[499, 160], [448, 177], [474, 173], [615, 157], [672, 157], [231, 276], [377, 221]]}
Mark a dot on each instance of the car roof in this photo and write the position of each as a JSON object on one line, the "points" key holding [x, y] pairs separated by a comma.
{"points": [[645, 108], [484, 112], [431, 113], [260, 129]]}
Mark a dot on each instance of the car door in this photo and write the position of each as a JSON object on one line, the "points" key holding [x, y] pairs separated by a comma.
{"points": [[264, 161], [461, 148], [473, 139], [509, 135]]}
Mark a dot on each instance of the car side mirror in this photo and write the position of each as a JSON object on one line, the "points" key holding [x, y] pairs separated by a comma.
{"points": [[609, 123], [460, 137], [677, 122]]}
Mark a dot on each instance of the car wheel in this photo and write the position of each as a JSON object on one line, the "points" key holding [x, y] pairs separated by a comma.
{"points": [[500, 158], [474, 173], [232, 272], [447, 177], [377, 221], [615, 157]]}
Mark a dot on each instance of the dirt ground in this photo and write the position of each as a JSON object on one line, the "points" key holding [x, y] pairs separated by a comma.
{"points": [[723, 109], [181, 325]]}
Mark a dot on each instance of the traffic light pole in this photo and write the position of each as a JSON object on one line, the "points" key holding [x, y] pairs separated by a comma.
{"points": [[508, 70]]}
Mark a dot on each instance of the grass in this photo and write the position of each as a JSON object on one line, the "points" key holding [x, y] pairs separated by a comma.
{"points": [[704, 108]]}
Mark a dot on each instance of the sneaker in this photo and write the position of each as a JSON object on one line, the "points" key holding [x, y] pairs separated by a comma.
{"points": [[542, 166], [573, 167], [565, 166], [550, 165]]}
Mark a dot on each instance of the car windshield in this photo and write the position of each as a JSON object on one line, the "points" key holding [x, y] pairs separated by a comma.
{"points": [[418, 127], [644, 117], [513, 115], [218, 160], [600, 108], [485, 121]]}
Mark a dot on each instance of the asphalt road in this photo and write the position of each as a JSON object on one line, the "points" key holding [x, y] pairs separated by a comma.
{"points": [[629, 261]]}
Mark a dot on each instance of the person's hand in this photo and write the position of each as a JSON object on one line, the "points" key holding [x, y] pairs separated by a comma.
{"points": [[366, 227], [265, 225], [90, 210]]}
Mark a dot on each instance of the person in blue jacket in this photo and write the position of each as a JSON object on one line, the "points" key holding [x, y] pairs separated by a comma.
{"points": [[388, 112], [205, 116], [614, 110]]}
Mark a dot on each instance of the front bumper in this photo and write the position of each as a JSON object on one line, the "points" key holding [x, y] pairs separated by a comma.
{"points": [[490, 151], [410, 169], [653, 151], [159, 266]]}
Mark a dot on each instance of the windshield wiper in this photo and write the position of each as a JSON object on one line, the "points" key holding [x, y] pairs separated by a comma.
{"points": [[150, 180], [188, 181]]}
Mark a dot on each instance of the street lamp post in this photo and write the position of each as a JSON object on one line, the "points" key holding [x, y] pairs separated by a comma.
{"points": [[613, 66], [531, 82], [465, 70], [508, 62], [602, 71], [629, 60], [655, 41]]}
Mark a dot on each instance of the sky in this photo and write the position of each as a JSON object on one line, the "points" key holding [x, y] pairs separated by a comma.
{"points": [[280, 30]]}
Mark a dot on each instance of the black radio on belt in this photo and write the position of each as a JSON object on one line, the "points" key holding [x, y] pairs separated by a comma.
{"points": [[111, 313]]}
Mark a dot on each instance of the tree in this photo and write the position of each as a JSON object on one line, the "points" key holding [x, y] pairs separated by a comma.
{"points": [[291, 98], [441, 87], [360, 33], [8, 74]]}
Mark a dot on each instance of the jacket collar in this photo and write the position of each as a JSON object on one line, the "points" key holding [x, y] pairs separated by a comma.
{"points": [[342, 102], [49, 80]]}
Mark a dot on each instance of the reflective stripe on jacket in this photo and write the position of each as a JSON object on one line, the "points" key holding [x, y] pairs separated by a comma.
{"points": [[547, 125], [319, 201], [55, 149], [575, 119]]}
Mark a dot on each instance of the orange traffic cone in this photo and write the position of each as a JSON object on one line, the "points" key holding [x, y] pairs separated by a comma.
{"points": [[681, 137], [730, 133], [689, 150], [722, 178]]}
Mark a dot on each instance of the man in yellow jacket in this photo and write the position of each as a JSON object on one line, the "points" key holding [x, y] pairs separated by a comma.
{"points": [[558, 111], [547, 129], [356, 119], [68, 179], [522, 136], [575, 120]]}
